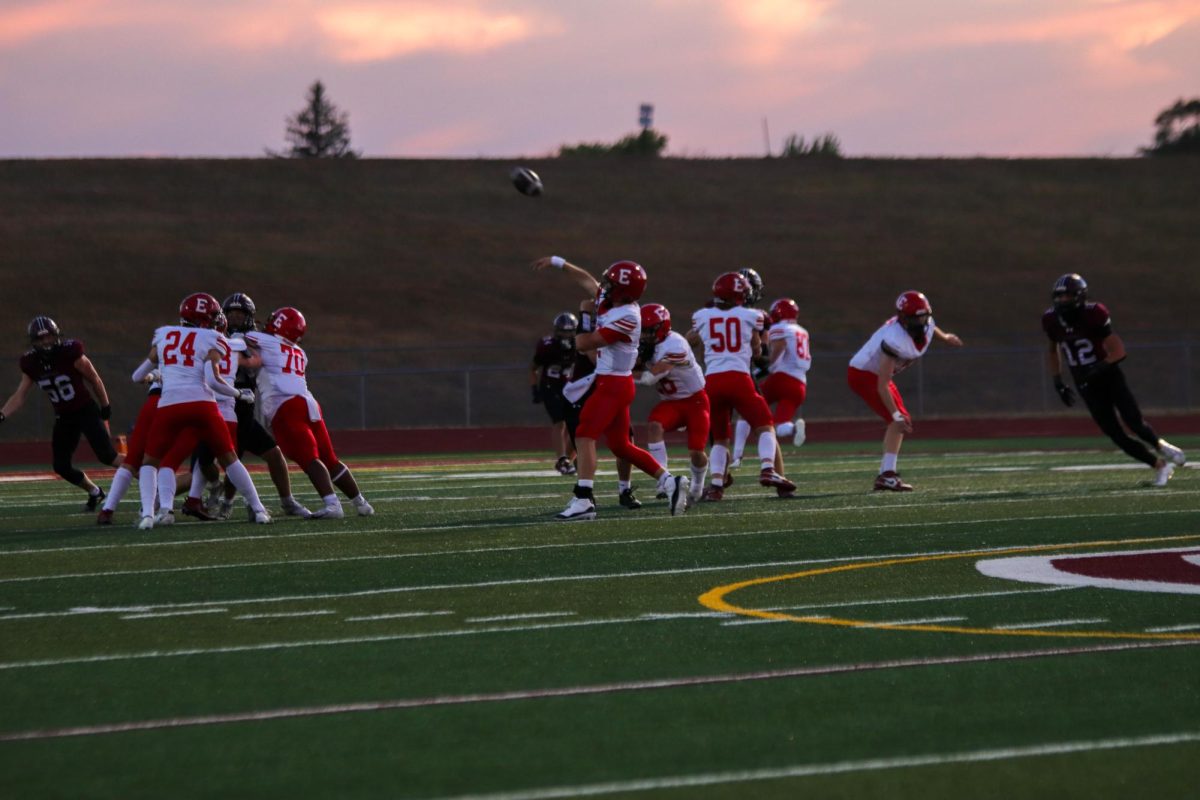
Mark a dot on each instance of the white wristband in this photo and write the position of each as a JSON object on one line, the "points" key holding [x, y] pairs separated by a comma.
{"points": [[557, 262], [899, 417]]}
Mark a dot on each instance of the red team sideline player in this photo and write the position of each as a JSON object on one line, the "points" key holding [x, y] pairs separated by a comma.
{"points": [[898, 343], [189, 357], [730, 335], [294, 414], [606, 411]]}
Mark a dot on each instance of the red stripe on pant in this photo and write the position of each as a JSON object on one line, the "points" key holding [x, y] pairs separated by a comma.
{"points": [[606, 413]]}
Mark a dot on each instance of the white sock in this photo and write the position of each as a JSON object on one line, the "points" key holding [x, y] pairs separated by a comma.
{"points": [[622, 485], [784, 429], [147, 488], [664, 480], [198, 482], [717, 459], [889, 462], [331, 500], [741, 433], [120, 485], [698, 474], [166, 489], [659, 451], [241, 479], [766, 449], [585, 484]]}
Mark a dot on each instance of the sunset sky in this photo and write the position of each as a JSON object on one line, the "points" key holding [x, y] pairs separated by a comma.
{"points": [[520, 77]]}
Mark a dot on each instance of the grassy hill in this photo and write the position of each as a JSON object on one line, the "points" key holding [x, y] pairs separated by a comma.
{"points": [[407, 253]]}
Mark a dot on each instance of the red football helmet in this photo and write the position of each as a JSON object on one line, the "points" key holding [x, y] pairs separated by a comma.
{"points": [[199, 309], [912, 304], [623, 282], [656, 321], [732, 288], [288, 323], [784, 308]]}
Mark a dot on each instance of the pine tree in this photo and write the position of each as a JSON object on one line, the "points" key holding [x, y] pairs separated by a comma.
{"points": [[320, 130]]}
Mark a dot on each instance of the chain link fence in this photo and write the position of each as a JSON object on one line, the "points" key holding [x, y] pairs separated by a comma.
{"points": [[488, 385]]}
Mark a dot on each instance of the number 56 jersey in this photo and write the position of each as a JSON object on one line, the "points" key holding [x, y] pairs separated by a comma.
{"points": [[282, 375]]}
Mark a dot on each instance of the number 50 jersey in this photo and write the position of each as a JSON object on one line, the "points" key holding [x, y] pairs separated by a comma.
{"points": [[282, 375], [1080, 341]]}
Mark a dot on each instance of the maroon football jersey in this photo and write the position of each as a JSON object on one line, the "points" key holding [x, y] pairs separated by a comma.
{"points": [[55, 373], [1081, 340], [556, 359]]}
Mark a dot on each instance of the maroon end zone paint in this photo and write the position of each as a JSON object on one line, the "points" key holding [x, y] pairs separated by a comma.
{"points": [[1169, 567]]}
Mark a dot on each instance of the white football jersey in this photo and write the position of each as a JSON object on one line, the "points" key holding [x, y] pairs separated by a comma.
{"points": [[618, 357], [893, 340], [726, 334], [685, 377], [796, 358], [282, 374], [181, 362], [227, 369]]}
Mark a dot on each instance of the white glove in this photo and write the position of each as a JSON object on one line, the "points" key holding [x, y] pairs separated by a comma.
{"points": [[246, 396], [154, 377], [648, 378]]}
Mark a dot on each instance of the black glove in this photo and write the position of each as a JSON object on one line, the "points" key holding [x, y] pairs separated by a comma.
{"points": [[106, 412], [536, 393], [1066, 393]]}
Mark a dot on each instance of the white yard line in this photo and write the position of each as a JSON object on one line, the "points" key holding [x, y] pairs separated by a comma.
{"points": [[285, 614], [836, 768], [579, 691], [510, 617], [1172, 628], [161, 614], [400, 615], [1050, 623], [925, 621]]}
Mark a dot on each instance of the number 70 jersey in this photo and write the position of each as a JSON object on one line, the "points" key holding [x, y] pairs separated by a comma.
{"points": [[282, 376]]}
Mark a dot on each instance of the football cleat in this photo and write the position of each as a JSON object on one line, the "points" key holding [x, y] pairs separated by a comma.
{"points": [[890, 482], [328, 512], [213, 494], [769, 477], [94, 500], [798, 436], [260, 517], [785, 493], [364, 509], [104, 517], [737, 462], [679, 494], [1171, 453], [579, 509], [224, 509], [1163, 474], [629, 500], [145, 523], [165, 517], [192, 507], [564, 466], [293, 508], [713, 493]]}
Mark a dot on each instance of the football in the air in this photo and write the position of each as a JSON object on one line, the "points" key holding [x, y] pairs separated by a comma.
{"points": [[527, 181]]}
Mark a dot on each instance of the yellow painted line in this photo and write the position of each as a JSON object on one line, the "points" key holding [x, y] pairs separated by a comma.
{"points": [[716, 598]]}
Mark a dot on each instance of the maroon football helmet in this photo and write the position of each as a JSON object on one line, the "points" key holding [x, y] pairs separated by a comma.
{"points": [[287, 323], [199, 310], [912, 303], [732, 288], [623, 282], [784, 308], [656, 321], [221, 323]]}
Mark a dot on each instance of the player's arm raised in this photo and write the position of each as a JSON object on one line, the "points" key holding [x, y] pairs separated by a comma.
{"points": [[947, 337], [887, 368], [576, 273], [18, 397]]}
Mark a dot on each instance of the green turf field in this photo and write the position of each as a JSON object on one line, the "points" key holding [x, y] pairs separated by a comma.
{"points": [[460, 643]]}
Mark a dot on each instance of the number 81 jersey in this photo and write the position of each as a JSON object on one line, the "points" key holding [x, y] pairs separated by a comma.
{"points": [[282, 376]]}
